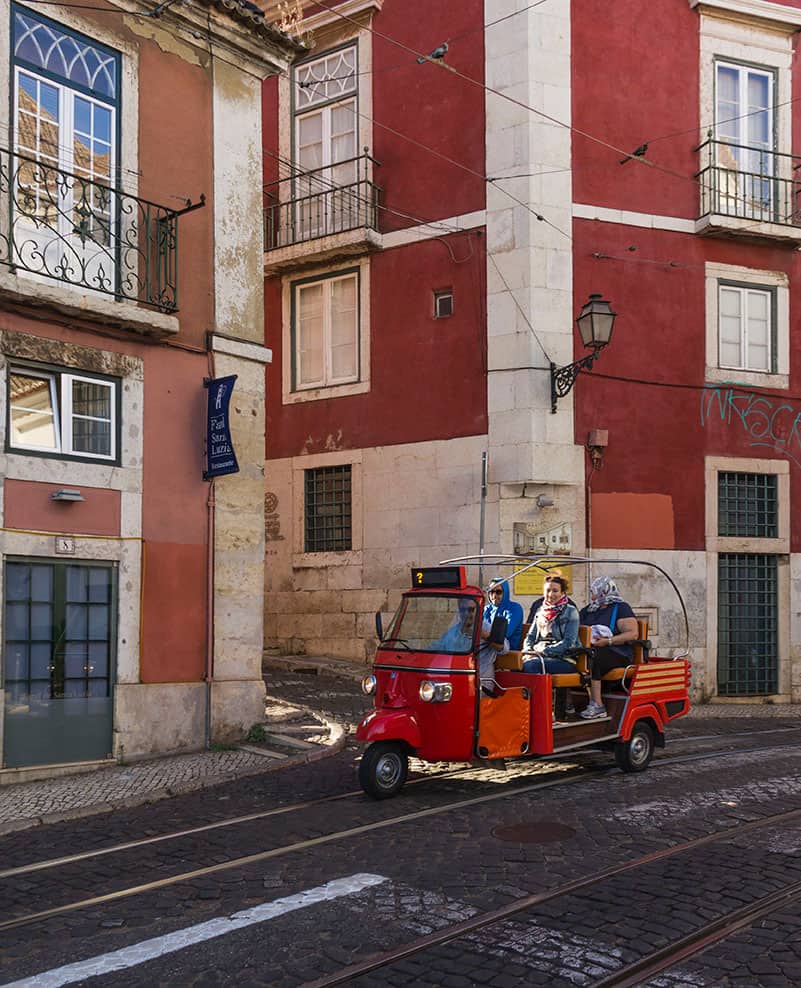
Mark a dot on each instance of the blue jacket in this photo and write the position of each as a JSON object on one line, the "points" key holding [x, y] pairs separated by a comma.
{"points": [[513, 613], [564, 629]]}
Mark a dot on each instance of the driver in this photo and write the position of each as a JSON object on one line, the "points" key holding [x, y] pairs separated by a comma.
{"points": [[459, 638]]}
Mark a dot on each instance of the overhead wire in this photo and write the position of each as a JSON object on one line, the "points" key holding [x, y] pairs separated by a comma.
{"points": [[431, 223], [519, 308], [328, 185], [496, 92], [695, 179], [485, 178]]}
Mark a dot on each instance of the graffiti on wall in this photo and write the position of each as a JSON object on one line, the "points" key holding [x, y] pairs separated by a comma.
{"points": [[767, 422]]}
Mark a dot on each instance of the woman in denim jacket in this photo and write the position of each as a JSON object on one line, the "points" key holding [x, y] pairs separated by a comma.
{"points": [[553, 632]]}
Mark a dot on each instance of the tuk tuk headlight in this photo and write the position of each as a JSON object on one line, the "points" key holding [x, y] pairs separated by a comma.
{"points": [[435, 692], [368, 685]]}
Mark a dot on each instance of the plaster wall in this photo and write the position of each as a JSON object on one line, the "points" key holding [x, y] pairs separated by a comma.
{"points": [[238, 224], [410, 352]]}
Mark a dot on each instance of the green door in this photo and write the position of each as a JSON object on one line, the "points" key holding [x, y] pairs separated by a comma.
{"points": [[58, 635]]}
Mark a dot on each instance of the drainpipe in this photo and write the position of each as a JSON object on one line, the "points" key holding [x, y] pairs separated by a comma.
{"points": [[588, 524], [209, 583], [481, 519], [209, 608]]}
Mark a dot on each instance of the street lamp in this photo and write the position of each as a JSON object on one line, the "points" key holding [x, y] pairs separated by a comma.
{"points": [[595, 323]]}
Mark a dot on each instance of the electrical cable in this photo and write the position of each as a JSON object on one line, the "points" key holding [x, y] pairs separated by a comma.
{"points": [[488, 89], [519, 307], [676, 385]]}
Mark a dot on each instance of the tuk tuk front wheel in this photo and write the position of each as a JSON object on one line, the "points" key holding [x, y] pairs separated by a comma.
{"points": [[635, 754], [383, 769]]}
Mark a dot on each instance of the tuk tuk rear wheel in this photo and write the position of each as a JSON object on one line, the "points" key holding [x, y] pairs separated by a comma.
{"points": [[635, 754], [383, 769]]}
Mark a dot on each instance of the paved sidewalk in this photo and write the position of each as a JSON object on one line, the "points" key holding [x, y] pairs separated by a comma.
{"points": [[307, 717], [313, 704]]}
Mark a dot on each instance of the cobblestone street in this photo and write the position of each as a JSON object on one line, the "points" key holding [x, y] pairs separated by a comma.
{"points": [[337, 878]]}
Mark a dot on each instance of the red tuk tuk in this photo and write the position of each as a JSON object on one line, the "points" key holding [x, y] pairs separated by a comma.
{"points": [[429, 703]]}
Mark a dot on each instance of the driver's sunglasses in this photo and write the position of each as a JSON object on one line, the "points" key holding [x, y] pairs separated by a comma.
{"points": [[467, 610]]}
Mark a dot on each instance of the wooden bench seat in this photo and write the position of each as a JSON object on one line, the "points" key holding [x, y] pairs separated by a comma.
{"points": [[513, 662]]}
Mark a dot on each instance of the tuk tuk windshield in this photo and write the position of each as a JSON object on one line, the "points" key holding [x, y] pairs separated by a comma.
{"points": [[435, 623]]}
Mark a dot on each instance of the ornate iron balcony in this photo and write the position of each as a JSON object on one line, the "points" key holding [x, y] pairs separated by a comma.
{"points": [[60, 225], [750, 183], [321, 203]]}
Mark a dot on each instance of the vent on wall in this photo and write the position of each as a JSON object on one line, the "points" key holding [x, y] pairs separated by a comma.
{"points": [[443, 304]]}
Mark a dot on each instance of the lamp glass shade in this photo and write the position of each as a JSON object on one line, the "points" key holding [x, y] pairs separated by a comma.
{"points": [[595, 322]]}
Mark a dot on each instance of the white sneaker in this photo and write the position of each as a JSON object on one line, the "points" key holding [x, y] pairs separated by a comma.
{"points": [[593, 711]]}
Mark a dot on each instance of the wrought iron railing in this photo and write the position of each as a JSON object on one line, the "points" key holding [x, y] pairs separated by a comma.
{"points": [[58, 224], [322, 202], [750, 183]]}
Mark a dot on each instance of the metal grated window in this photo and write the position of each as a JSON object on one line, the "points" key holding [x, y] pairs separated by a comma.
{"points": [[748, 505], [748, 650], [328, 509]]}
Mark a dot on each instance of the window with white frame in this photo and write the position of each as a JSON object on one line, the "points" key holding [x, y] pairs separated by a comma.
{"points": [[745, 140], [744, 109], [747, 327], [63, 413], [325, 142], [65, 96], [325, 331]]}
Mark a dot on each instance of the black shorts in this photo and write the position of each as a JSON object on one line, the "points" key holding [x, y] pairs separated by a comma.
{"points": [[605, 659]]}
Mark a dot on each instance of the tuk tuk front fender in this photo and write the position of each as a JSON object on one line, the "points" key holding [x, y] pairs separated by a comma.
{"points": [[390, 725]]}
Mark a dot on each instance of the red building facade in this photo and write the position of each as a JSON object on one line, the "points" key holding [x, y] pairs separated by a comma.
{"points": [[578, 155]]}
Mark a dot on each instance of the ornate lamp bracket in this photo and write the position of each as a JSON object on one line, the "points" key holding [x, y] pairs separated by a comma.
{"points": [[563, 378]]}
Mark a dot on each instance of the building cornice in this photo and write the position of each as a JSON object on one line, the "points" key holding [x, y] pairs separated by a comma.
{"points": [[350, 8], [322, 18], [776, 15], [231, 31]]}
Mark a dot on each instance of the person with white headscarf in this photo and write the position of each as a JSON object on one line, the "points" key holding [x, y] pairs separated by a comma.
{"points": [[613, 626]]}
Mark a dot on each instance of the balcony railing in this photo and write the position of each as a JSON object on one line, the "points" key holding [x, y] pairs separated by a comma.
{"points": [[60, 225], [744, 182], [321, 203]]}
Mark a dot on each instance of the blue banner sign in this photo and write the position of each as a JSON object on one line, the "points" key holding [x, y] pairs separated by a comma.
{"points": [[220, 455]]}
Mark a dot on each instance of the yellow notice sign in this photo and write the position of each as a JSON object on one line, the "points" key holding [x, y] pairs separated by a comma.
{"points": [[529, 583]]}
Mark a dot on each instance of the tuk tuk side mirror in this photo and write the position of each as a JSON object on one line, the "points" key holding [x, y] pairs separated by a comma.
{"points": [[379, 626], [498, 630]]}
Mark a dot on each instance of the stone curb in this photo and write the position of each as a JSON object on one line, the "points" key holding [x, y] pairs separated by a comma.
{"points": [[337, 739]]}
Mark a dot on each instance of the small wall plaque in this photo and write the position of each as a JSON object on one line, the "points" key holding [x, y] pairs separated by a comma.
{"points": [[65, 546]]}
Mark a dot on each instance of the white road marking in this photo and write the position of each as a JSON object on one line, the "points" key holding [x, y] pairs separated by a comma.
{"points": [[149, 950]]}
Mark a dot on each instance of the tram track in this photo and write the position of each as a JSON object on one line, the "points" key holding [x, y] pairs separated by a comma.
{"points": [[658, 961], [567, 778], [631, 975], [453, 774]]}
